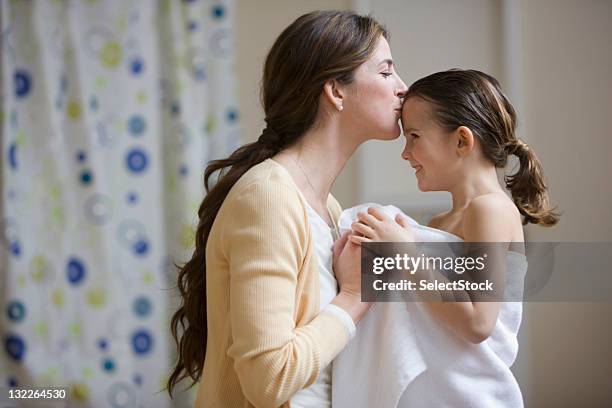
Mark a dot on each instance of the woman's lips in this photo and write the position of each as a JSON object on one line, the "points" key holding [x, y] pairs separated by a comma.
{"points": [[417, 169]]}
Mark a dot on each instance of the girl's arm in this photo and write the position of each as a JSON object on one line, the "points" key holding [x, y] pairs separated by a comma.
{"points": [[484, 221]]}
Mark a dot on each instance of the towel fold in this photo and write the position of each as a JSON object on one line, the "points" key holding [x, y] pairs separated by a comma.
{"points": [[376, 366]]}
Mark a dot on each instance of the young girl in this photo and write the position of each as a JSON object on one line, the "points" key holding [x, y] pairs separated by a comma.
{"points": [[459, 129]]}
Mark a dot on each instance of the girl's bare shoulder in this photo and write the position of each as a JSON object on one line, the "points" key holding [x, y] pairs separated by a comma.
{"points": [[493, 215]]}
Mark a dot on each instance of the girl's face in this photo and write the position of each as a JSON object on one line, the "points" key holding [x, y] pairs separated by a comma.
{"points": [[373, 101], [431, 150]]}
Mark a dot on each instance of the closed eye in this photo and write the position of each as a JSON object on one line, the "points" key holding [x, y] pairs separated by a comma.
{"points": [[386, 74]]}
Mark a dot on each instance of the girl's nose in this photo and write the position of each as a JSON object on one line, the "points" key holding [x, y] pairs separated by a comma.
{"points": [[406, 155]]}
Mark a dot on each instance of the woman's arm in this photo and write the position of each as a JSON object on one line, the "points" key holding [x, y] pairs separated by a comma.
{"points": [[265, 243]]}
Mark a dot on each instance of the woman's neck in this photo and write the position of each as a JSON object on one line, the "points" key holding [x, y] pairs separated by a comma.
{"points": [[317, 159]]}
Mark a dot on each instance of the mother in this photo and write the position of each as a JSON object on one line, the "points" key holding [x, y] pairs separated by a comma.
{"points": [[261, 317]]}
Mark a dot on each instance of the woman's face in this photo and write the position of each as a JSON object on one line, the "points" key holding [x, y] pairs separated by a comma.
{"points": [[373, 101], [430, 150]]}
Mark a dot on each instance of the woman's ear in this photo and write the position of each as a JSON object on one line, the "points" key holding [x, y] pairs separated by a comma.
{"points": [[464, 140], [333, 93]]}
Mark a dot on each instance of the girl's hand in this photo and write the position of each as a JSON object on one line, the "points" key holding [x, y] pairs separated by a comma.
{"points": [[375, 225]]}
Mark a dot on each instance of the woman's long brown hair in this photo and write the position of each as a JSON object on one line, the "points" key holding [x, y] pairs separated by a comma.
{"points": [[474, 99], [315, 48]]}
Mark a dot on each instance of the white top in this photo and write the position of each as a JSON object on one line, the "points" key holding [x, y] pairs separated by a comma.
{"points": [[319, 393]]}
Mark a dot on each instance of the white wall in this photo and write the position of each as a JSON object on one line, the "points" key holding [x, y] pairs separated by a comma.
{"points": [[567, 111], [568, 106]]}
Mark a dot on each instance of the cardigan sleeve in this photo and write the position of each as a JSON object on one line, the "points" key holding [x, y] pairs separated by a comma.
{"points": [[265, 240]]}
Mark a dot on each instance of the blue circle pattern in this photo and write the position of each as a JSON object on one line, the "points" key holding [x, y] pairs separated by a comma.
{"points": [[132, 197], [137, 66], [136, 160], [81, 156], [15, 311], [103, 344], [136, 125], [15, 347], [86, 177], [142, 342], [63, 83], [93, 103], [108, 364], [16, 248], [12, 156], [141, 247], [184, 170], [142, 306], [218, 12], [75, 271], [199, 73], [23, 83], [232, 115]]}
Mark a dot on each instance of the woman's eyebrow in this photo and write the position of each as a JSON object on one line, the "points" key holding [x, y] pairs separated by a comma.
{"points": [[387, 61]]}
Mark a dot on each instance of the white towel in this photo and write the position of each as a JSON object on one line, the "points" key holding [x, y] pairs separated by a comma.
{"points": [[402, 357], [422, 233]]}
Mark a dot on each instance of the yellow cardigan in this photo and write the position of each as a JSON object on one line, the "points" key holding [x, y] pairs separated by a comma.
{"points": [[267, 339]]}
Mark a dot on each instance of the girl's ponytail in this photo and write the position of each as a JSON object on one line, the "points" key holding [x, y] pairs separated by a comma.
{"points": [[528, 187]]}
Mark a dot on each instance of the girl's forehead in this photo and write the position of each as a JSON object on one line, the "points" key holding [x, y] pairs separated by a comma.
{"points": [[416, 109]]}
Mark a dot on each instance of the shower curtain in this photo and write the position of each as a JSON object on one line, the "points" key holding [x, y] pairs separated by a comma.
{"points": [[109, 112]]}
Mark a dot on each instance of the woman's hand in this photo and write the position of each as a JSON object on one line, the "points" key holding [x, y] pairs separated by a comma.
{"points": [[375, 225], [347, 268], [347, 265]]}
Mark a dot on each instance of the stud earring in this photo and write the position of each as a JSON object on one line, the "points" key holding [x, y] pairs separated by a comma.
{"points": [[340, 108]]}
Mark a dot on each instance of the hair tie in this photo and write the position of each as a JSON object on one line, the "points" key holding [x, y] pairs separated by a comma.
{"points": [[270, 138], [516, 146]]}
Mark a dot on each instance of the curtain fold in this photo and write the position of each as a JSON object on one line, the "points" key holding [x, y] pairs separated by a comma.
{"points": [[109, 112]]}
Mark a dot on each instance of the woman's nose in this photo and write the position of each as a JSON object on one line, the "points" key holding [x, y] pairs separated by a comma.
{"points": [[401, 88]]}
